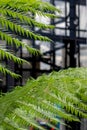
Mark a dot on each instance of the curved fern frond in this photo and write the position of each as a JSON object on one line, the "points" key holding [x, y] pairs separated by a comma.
{"points": [[17, 43], [10, 56], [24, 19], [17, 21], [20, 30], [33, 11], [30, 6], [43, 99], [7, 71]]}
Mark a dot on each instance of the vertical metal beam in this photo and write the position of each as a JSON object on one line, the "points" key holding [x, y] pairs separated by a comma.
{"points": [[72, 18], [73, 48], [72, 33], [53, 55]]}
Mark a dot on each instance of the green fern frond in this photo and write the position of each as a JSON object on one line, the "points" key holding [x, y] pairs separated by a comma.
{"points": [[25, 117], [8, 55], [7, 71], [16, 42], [41, 100], [20, 30], [33, 11], [9, 124], [24, 19], [17, 21]]}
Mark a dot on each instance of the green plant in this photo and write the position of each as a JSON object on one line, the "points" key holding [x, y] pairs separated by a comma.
{"points": [[17, 18], [62, 94]]}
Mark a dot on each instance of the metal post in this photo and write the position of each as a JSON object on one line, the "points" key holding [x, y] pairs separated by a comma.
{"points": [[72, 33]]}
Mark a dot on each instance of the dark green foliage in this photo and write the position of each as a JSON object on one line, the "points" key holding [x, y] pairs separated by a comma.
{"points": [[62, 94]]}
